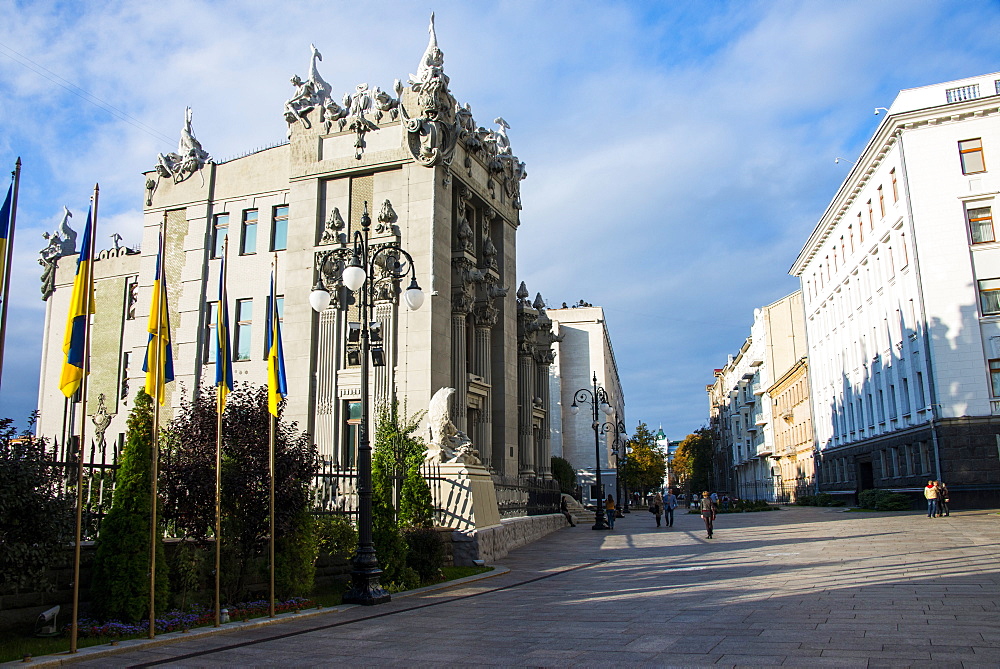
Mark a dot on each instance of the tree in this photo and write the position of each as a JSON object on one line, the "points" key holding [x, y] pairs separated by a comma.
{"points": [[119, 586], [692, 463], [646, 465], [36, 518], [563, 472], [189, 489]]}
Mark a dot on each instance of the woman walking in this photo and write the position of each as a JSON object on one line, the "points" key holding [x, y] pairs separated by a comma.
{"points": [[942, 500], [708, 513], [656, 506], [609, 511]]}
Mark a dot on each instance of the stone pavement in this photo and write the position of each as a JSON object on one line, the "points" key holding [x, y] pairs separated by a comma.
{"points": [[800, 587]]}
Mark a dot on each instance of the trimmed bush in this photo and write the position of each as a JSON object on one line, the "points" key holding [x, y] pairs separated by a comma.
{"points": [[878, 499], [425, 553], [336, 536]]}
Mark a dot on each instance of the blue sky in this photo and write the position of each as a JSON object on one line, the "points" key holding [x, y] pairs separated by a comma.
{"points": [[679, 153]]}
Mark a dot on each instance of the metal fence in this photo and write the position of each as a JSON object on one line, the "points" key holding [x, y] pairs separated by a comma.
{"points": [[335, 489], [518, 496]]}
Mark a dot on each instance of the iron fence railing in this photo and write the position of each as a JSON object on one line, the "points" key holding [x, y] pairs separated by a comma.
{"points": [[518, 496]]}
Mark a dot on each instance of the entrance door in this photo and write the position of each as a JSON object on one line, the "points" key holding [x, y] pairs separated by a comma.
{"points": [[866, 476]]}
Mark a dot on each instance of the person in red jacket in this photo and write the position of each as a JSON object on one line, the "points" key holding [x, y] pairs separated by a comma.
{"points": [[931, 494]]}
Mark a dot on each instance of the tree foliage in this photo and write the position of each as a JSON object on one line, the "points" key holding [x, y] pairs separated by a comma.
{"points": [[646, 465], [120, 582], [692, 464], [36, 519], [563, 472], [189, 489]]}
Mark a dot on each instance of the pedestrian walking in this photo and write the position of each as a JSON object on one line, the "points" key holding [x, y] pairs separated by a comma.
{"points": [[942, 500], [669, 504], [609, 511], [931, 494], [656, 506], [708, 509], [725, 502]]}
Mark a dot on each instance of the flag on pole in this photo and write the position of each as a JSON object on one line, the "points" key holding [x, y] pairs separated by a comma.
{"points": [[277, 386], [81, 305], [223, 353], [159, 361], [5, 230]]}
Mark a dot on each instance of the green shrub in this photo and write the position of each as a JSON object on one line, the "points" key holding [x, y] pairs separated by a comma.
{"points": [[295, 557], [826, 499], [883, 500], [120, 582], [563, 472], [36, 519], [189, 572], [425, 553], [806, 500], [336, 536]]}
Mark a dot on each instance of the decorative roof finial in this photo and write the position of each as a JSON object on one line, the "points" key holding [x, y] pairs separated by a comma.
{"points": [[432, 62]]}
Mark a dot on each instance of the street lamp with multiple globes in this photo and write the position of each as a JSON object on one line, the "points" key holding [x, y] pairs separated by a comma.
{"points": [[370, 266], [598, 399], [620, 451]]}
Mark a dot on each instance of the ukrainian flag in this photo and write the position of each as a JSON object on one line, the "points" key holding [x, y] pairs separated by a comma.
{"points": [[158, 347], [81, 305], [277, 385], [5, 231], [223, 353]]}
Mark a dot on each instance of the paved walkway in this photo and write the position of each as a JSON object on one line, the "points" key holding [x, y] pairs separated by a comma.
{"points": [[799, 587]]}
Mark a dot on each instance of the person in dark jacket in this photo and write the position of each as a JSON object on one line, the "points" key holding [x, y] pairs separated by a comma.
{"points": [[708, 510]]}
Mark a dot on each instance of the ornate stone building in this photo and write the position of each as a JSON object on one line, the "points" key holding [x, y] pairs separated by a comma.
{"points": [[413, 159]]}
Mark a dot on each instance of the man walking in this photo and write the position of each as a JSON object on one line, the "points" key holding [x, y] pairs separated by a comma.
{"points": [[669, 504]]}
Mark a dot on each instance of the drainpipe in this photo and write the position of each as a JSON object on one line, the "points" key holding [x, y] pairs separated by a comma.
{"points": [[920, 295]]}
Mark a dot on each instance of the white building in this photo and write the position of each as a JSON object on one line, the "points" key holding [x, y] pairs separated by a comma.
{"points": [[583, 350], [900, 279]]}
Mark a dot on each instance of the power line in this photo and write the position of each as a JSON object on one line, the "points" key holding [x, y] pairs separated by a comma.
{"points": [[46, 73]]}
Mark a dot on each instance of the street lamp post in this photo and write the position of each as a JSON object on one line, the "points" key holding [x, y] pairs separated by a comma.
{"points": [[598, 399], [619, 444], [369, 266]]}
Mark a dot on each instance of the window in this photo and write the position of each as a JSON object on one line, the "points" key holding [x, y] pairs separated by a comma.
{"points": [[981, 225], [244, 320], [871, 216], [903, 249], [279, 228], [881, 201], [352, 423], [921, 403], [893, 409], [989, 296], [211, 320], [995, 377], [850, 232], [895, 189], [281, 316], [220, 229], [970, 151], [861, 229], [906, 396], [248, 240]]}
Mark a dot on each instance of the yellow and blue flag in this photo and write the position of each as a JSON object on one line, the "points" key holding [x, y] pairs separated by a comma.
{"points": [[223, 353], [5, 231], [277, 385], [81, 305], [159, 361]]}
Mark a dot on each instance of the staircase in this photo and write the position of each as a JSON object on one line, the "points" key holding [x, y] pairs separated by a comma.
{"points": [[580, 514]]}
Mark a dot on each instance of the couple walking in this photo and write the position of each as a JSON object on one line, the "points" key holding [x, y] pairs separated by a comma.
{"points": [[661, 505], [936, 493]]}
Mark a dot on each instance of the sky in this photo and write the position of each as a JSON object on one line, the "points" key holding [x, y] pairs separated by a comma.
{"points": [[678, 153]]}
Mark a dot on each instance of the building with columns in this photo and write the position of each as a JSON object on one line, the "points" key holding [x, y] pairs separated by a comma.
{"points": [[582, 349], [900, 278], [414, 161]]}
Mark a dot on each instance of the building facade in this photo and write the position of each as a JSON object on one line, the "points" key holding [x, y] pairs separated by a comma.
{"points": [[899, 279], [748, 407], [415, 163], [582, 350]]}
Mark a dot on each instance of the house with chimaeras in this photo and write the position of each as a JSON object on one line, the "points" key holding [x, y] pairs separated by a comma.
{"points": [[412, 159]]}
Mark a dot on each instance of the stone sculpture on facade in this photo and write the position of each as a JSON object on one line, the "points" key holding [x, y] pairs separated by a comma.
{"points": [[102, 419], [190, 156], [334, 225], [448, 444], [62, 243]]}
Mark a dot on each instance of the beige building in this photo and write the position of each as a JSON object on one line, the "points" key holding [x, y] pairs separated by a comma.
{"points": [[793, 433], [430, 178]]}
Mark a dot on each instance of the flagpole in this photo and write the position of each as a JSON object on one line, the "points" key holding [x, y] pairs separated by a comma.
{"points": [[87, 293], [154, 465], [272, 419], [219, 408], [10, 257]]}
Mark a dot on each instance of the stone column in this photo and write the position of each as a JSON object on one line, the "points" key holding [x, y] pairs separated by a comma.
{"points": [[482, 365], [459, 372], [544, 445], [525, 395]]}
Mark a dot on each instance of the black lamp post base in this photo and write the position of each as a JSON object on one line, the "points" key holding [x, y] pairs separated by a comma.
{"points": [[600, 523], [365, 588]]}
